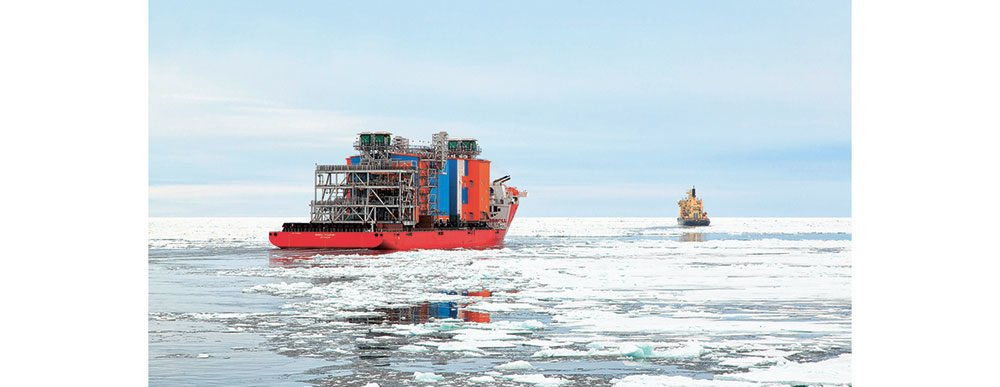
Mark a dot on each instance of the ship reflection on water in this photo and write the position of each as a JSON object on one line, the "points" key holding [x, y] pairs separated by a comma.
{"points": [[417, 314], [690, 237], [314, 257], [425, 312], [428, 311]]}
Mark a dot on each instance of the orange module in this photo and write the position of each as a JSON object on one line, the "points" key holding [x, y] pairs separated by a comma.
{"points": [[477, 182]]}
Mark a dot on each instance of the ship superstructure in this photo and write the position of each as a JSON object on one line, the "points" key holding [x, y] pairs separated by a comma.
{"points": [[691, 211], [395, 195]]}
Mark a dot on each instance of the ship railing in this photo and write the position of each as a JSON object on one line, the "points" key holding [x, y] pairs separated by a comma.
{"points": [[360, 203], [366, 185], [366, 168], [466, 152]]}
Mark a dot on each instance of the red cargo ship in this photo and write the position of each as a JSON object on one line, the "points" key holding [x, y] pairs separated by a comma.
{"points": [[394, 196]]}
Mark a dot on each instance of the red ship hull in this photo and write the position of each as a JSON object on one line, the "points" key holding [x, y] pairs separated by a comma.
{"points": [[392, 240]]}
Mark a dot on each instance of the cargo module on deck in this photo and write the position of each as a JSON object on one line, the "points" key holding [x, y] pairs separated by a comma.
{"points": [[395, 196]]}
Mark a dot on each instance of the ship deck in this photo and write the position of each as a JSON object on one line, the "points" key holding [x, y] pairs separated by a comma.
{"points": [[389, 240]]}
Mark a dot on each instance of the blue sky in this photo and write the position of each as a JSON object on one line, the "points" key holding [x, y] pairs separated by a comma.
{"points": [[595, 108]]}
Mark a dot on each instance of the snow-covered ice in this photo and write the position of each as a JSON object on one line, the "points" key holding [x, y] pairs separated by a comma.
{"points": [[538, 380], [482, 379], [427, 377], [834, 371], [515, 365], [675, 381]]}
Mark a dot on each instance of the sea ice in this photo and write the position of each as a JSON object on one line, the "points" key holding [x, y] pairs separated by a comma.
{"points": [[836, 371], [559, 352], [480, 335], [638, 351], [745, 361], [281, 289], [675, 381], [689, 349], [531, 325], [626, 349], [538, 380], [482, 379], [474, 346], [626, 289], [502, 307], [515, 365], [427, 377], [546, 343]]}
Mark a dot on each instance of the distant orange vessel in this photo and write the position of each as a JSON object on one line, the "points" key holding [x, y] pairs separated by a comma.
{"points": [[692, 213]]}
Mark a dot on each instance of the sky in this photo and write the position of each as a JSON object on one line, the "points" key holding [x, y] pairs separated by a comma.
{"points": [[594, 108]]}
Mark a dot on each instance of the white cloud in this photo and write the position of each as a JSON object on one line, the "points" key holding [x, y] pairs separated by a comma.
{"points": [[183, 106], [201, 191], [221, 116], [593, 191]]}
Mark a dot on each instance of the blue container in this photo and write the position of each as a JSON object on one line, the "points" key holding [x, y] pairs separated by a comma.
{"points": [[455, 171], [443, 192]]}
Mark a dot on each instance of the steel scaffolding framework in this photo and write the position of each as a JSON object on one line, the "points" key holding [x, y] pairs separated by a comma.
{"points": [[434, 158], [380, 191]]}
